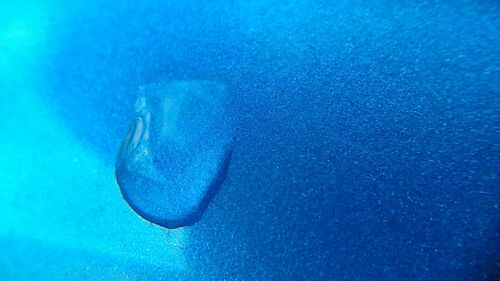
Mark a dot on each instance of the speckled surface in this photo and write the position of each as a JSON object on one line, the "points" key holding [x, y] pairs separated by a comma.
{"points": [[368, 147]]}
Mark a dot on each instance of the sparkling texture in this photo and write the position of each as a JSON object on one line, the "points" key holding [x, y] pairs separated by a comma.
{"points": [[177, 151]]}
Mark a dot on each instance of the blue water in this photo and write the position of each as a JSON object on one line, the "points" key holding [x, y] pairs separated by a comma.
{"points": [[367, 146]]}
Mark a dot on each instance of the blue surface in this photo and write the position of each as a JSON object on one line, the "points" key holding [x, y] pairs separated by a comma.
{"points": [[368, 147], [177, 152]]}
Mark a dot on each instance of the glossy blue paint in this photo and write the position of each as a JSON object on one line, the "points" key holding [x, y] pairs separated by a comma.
{"points": [[367, 147]]}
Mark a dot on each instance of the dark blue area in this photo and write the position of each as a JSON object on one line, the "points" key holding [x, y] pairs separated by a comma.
{"points": [[369, 143]]}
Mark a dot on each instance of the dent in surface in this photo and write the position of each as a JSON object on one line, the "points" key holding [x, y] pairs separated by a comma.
{"points": [[176, 154]]}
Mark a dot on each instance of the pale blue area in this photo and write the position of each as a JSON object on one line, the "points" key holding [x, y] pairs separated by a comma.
{"points": [[62, 215]]}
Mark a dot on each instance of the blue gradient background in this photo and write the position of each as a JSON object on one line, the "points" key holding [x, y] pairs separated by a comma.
{"points": [[368, 147]]}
